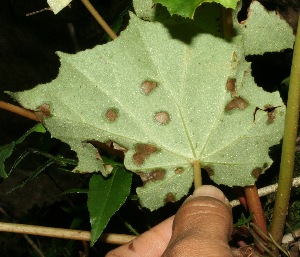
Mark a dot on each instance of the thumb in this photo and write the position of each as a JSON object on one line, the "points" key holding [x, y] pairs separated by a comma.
{"points": [[202, 226]]}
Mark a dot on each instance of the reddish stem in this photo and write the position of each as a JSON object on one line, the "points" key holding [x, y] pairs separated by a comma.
{"points": [[255, 207], [19, 110]]}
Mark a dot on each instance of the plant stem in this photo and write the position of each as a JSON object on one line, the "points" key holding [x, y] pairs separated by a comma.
{"points": [[19, 110], [100, 20], [288, 146], [197, 174], [109, 238], [267, 190], [254, 205], [227, 24]]}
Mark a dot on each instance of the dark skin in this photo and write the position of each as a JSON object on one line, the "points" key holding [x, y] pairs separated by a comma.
{"points": [[201, 227]]}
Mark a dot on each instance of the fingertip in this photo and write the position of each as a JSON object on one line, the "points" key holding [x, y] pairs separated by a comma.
{"points": [[211, 191]]}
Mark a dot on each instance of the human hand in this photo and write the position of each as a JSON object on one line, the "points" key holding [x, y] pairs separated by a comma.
{"points": [[201, 227]]}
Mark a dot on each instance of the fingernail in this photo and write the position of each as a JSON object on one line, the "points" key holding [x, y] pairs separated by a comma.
{"points": [[211, 191]]}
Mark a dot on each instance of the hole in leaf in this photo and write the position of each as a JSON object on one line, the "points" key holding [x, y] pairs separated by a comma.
{"points": [[148, 86], [152, 176], [170, 198], [111, 114], [162, 118], [271, 112], [142, 151], [236, 103]]}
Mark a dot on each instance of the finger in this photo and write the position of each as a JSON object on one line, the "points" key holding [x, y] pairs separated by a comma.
{"points": [[202, 226], [150, 244]]}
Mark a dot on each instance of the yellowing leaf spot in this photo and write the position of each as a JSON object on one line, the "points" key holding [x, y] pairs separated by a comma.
{"points": [[111, 114], [178, 170], [142, 151], [162, 118], [148, 86]]}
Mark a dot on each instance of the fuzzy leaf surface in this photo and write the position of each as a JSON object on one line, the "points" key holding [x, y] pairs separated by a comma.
{"points": [[57, 5], [264, 31], [168, 103], [105, 197], [186, 8]]}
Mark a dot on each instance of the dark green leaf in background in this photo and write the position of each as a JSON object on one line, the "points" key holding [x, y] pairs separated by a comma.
{"points": [[7, 150], [105, 197]]}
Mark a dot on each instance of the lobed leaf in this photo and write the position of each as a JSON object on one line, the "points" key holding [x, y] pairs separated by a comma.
{"points": [[167, 103]]}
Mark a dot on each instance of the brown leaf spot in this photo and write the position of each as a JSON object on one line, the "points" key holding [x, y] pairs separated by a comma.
{"points": [[236, 103], [209, 171], [148, 86], [265, 165], [43, 111], [230, 86], [256, 172], [152, 176], [162, 118], [170, 198], [111, 114], [142, 151], [178, 170], [271, 111]]}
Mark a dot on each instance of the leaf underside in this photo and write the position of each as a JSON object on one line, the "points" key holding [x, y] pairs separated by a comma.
{"points": [[169, 104]]}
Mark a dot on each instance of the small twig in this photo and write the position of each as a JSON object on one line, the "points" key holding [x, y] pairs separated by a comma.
{"points": [[19, 110], [108, 238], [33, 245], [267, 190], [39, 11], [100, 20], [86, 248]]}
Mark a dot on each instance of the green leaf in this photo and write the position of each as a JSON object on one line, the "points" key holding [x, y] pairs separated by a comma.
{"points": [[243, 221], [168, 103], [105, 197], [207, 19], [7, 150], [186, 8]]}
